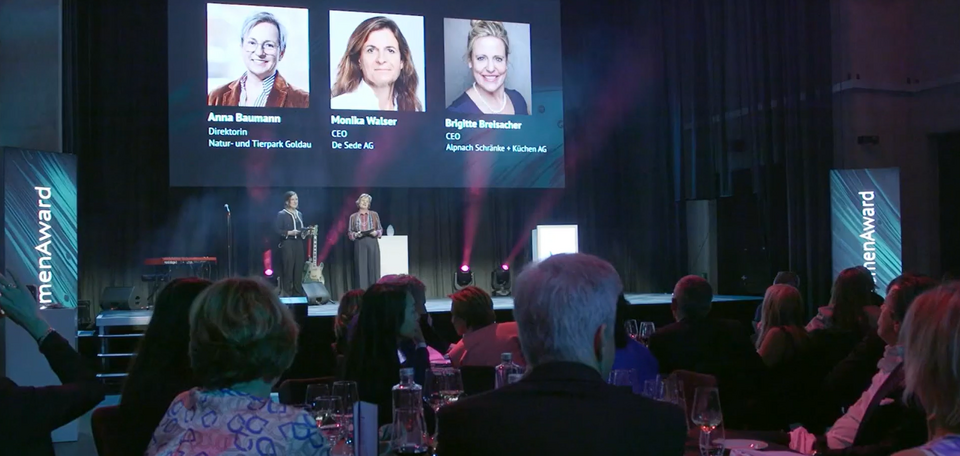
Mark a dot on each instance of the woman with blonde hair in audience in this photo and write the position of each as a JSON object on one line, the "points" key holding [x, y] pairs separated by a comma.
{"points": [[931, 361], [781, 334], [241, 340]]}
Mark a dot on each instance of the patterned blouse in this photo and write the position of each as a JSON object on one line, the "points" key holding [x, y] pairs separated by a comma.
{"points": [[364, 222], [231, 423], [947, 445]]}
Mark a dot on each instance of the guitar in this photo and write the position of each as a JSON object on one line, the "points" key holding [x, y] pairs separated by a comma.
{"points": [[312, 270]]}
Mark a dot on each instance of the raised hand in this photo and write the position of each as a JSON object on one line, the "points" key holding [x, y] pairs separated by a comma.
{"points": [[18, 304]]}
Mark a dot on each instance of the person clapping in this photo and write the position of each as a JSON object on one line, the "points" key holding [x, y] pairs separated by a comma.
{"points": [[30, 414]]}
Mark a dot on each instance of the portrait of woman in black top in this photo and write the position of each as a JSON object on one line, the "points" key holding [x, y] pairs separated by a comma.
{"points": [[488, 53]]}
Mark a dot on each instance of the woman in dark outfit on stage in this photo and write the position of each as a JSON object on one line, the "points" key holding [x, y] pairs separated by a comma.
{"points": [[289, 226], [364, 229]]}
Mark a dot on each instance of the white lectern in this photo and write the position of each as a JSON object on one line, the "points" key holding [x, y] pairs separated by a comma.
{"points": [[552, 239], [25, 365], [394, 255]]}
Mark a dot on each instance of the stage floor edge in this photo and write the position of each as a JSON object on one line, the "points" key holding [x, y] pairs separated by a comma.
{"points": [[506, 303]]}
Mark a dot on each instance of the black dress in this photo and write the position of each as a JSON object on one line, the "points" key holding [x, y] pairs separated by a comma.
{"points": [[463, 104]]}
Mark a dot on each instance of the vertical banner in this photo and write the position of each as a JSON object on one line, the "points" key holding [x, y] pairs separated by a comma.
{"points": [[865, 222], [40, 222]]}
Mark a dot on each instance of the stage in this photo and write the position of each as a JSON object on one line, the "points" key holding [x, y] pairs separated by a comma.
{"points": [[437, 305], [113, 318]]}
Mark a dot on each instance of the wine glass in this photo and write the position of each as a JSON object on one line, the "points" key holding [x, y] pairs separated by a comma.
{"points": [[347, 392], [707, 415], [452, 386], [632, 329], [314, 391], [327, 411], [432, 387], [647, 328]]}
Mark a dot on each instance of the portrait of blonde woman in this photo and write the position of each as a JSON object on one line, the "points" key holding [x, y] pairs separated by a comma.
{"points": [[377, 68], [492, 74], [254, 42]]}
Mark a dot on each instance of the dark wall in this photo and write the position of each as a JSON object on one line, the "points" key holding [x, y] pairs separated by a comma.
{"points": [[30, 74]]}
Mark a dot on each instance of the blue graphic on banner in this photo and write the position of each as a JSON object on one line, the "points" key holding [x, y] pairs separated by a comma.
{"points": [[865, 222], [40, 221]]}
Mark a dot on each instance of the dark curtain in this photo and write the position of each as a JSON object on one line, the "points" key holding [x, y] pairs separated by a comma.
{"points": [[749, 89], [621, 187]]}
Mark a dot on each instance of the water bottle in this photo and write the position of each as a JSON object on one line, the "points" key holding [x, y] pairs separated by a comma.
{"points": [[408, 434], [505, 369]]}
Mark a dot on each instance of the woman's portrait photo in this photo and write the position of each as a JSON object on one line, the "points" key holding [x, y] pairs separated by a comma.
{"points": [[248, 46], [376, 62], [487, 66]]}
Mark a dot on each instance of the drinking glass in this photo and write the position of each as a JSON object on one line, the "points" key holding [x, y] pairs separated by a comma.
{"points": [[708, 416], [347, 392], [622, 377], [432, 387], [632, 329], [327, 410], [653, 388], [647, 328], [314, 391], [452, 386]]}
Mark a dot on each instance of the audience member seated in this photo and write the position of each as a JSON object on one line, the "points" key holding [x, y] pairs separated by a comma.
{"points": [[483, 340], [836, 330], [419, 292], [387, 338], [349, 307], [630, 353], [931, 365], [241, 341], [879, 423], [848, 379], [853, 303], [783, 278], [161, 369], [784, 346], [27, 414], [781, 332], [565, 307], [713, 346]]}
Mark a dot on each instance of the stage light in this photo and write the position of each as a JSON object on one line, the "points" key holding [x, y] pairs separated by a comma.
{"points": [[268, 272], [500, 281], [463, 278]]}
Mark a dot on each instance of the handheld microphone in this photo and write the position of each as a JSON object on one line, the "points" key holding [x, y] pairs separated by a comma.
{"points": [[227, 207]]}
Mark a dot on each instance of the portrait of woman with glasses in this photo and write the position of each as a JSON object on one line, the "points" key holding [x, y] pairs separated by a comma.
{"points": [[262, 46]]}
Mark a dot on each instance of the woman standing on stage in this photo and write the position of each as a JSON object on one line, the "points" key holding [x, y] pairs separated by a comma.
{"points": [[364, 229], [289, 226]]}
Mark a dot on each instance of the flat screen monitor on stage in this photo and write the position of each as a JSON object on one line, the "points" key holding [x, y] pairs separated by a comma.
{"points": [[549, 240], [398, 93], [865, 222]]}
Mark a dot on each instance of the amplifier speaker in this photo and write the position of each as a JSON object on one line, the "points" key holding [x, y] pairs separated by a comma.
{"points": [[116, 298], [316, 293]]}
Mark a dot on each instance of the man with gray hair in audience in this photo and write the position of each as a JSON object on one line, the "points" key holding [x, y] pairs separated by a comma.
{"points": [[713, 346], [565, 308]]}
